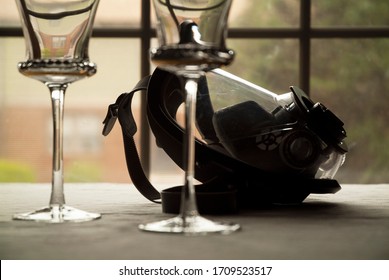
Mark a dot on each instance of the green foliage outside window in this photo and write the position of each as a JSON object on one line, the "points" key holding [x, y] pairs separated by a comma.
{"points": [[11, 171], [83, 171]]}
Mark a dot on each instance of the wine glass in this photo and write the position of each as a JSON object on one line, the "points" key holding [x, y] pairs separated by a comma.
{"points": [[192, 41], [56, 34]]}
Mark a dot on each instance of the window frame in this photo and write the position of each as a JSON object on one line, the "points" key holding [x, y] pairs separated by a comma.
{"points": [[304, 33]]}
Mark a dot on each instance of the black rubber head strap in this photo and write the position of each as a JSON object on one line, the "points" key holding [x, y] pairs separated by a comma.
{"points": [[121, 110]]}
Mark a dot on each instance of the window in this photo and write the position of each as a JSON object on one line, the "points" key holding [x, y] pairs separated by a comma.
{"points": [[335, 50]]}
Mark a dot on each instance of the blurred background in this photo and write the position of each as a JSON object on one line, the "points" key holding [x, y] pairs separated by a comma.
{"points": [[337, 51]]}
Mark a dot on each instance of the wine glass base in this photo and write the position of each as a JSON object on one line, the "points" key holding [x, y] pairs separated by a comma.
{"points": [[194, 225], [57, 214]]}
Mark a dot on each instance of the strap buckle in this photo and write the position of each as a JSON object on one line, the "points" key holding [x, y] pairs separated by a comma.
{"points": [[112, 115]]}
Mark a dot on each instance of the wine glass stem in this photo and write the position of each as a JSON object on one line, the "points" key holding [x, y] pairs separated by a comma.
{"points": [[57, 92], [188, 199]]}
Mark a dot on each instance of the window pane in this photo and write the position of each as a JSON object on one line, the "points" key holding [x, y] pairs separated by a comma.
{"points": [[350, 13], [9, 14], [123, 13], [351, 77], [272, 64], [118, 13], [25, 116], [264, 13]]}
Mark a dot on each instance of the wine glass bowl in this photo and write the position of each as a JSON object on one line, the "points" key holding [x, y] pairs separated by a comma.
{"points": [[57, 39], [57, 34], [191, 35], [209, 15]]}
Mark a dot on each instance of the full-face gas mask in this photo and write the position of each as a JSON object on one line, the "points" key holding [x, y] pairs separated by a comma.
{"points": [[253, 146]]}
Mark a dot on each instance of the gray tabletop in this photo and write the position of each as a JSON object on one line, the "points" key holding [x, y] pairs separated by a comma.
{"points": [[352, 224]]}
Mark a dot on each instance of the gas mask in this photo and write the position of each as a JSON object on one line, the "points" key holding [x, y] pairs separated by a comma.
{"points": [[253, 147]]}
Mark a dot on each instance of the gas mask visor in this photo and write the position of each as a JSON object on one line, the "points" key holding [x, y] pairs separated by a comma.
{"points": [[283, 134]]}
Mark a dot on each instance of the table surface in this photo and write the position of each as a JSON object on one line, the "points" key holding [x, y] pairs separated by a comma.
{"points": [[351, 224]]}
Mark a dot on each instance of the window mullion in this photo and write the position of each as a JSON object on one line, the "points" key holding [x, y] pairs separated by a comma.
{"points": [[305, 45]]}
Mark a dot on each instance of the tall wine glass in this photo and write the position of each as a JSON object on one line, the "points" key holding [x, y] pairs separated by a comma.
{"points": [[192, 41], [56, 34]]}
